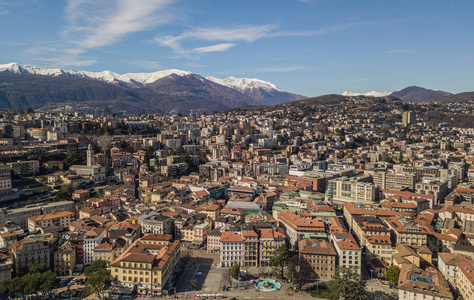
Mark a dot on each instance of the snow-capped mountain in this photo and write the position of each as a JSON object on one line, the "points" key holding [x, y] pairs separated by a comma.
{"points": [[245, 84], [263, 92], [369, 94], [127, 80], [165, 90]]}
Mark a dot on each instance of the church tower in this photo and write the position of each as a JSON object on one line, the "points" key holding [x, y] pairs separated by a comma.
{"points": [[90, 156]]}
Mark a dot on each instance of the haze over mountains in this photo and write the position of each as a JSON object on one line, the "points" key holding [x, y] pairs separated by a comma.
{"points": [[161, 91]]}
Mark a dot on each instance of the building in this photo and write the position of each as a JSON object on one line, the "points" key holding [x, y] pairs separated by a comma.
{"points": [[6, 265], [352, 190], [232, 246], [62, 219], [250, 243], [270, 240], [96, 173], [448, 265], [148, 264], [465, 280], [296, 226], [408, 118], [156, 223], [34, 249], [321, 255], [394, 181], [92, 238], [417, 283], [24, 168], [5, 186], [405, 231], [348, 251], [433, 186], [65, 259]]}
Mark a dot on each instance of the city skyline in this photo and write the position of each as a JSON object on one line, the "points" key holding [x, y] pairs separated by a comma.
{"points": [[304, 47]]}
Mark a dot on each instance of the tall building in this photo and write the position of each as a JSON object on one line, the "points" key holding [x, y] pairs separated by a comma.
{"points": [[408, 118]]}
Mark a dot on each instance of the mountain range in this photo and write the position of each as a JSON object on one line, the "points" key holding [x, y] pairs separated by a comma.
{"points": [[411, 94], [23, 86]]}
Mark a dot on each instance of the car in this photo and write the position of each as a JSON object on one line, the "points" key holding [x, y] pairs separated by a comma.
{"points": [[198, 274]]}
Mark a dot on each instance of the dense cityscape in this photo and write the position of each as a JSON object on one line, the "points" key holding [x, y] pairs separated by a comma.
{"points": [[341, 196]]}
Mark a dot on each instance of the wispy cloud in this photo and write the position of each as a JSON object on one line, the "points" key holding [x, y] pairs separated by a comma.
{"points": [[214, 48], [265, 70], [93, 24], [396, 51], [245, 33], [145, 64]]}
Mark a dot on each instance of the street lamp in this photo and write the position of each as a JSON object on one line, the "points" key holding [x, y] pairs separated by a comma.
{"points": [[371, 272]]}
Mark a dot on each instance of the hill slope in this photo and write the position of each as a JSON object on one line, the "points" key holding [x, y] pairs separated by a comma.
{"points": [[418, 94]]}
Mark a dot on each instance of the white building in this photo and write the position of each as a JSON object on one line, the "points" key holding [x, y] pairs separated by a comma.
{"points": [[348, 251], [92, 238], [232, 248]]}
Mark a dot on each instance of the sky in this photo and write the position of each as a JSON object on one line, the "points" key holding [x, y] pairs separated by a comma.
{"points": [[308, 47]]}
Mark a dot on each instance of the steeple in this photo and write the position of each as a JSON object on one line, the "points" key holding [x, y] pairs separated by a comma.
{"points": [[90, 156]]}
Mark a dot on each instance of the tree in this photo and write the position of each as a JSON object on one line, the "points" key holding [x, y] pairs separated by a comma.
{"points": [[348, 283], [300, 271], [235, 271], [49, 281], [62, 195], [392, 274], [281, 258], [97, 277]]}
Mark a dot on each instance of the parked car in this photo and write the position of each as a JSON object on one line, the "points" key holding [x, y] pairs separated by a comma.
{"points": [[198, 274]]}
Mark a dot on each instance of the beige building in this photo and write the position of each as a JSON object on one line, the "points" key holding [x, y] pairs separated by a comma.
{"points": [[465, 280], [65, 259], [270, 240], [148, 264], [405, 231], [34, 249], [394, 181], [63, 219], [348, 190], [321, 255]]}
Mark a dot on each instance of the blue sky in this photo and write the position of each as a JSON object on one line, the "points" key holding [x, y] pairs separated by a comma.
{"points": [[310, 47]]}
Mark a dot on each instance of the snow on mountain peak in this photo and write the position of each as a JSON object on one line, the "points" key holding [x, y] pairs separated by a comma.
{"points": [[244, 84], [370, 94], [107, 76]]}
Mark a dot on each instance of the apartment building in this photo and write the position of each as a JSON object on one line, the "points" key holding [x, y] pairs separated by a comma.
{"points": [[448, 265], [465, 280], [92, 238], [64, 259], [232, 247], [297, 226], [270, 240], [156, 223], [394, 181], [34, 249], [321, 255], [405, 231], [348, 251], [147, 265], [62, 219], [348, 190]]}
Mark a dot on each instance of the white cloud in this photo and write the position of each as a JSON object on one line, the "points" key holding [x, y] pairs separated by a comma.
{"points": [[214, 48], [94, 24], [244, 33], [265, 70], [249, 33]]}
